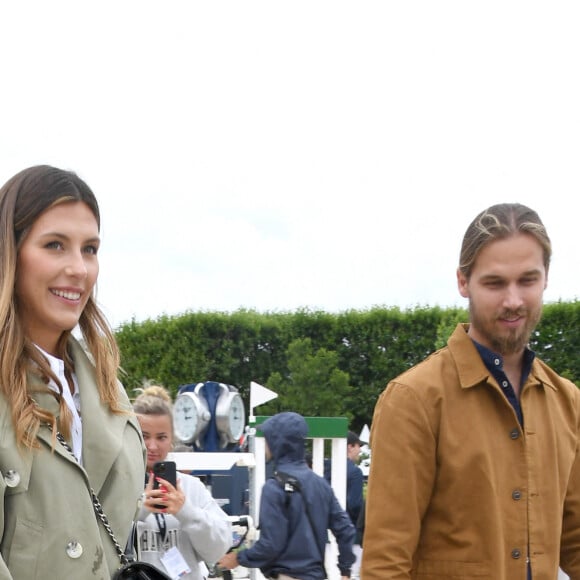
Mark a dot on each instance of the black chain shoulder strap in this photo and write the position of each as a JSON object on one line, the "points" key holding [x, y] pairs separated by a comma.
{"points": [[97, 505]]}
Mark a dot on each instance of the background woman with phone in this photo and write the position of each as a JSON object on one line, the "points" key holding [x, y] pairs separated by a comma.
{"points": [[180, 524]]}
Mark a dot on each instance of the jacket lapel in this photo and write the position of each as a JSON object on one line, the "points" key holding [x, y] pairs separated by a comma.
{"points": [[102, 430], [47, 401]]}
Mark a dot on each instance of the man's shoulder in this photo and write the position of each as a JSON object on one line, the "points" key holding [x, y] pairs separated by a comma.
{"points": [[352, 467], [287, 481], [302, 476], [548, 376], [457, 363], [428, 372], [302, 481]]}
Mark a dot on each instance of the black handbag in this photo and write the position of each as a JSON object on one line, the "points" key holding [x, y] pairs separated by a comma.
{"points": [[139, 571], [131, 569]]}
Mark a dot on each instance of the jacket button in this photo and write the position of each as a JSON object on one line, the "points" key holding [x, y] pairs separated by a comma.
{"points": [[515, 433], [74, 549], [516, 494], [12, 478], [516, 554]]}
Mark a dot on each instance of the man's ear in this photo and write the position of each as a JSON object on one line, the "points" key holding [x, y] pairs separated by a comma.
{"points": [[462, 284]]}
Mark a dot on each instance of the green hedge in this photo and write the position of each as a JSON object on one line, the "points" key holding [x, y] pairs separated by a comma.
{"points": [[368, 348]]}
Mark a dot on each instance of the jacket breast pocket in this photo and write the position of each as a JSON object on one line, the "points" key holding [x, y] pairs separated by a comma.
{"points": [[25, 548]]}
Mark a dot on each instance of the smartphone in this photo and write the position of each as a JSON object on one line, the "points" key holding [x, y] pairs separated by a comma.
{"points": [[164, 470]]}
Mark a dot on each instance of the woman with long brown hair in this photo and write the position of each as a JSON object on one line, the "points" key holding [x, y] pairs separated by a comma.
{"points": [[50, 384]]}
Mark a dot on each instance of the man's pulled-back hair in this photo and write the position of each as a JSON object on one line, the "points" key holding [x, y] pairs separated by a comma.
{"points": [[499, 222]]}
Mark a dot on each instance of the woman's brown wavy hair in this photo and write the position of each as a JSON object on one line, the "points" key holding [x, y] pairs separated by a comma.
{"points": [[22, 200]]}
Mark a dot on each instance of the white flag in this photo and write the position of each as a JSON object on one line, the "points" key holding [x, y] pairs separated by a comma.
{"points": [[365, 434], [259, 395]]}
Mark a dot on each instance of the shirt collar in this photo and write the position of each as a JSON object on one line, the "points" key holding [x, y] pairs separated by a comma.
{"points": [[494, 361], [56, 364]]}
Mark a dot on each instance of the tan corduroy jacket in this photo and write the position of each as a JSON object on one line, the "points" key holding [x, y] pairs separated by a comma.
{"points": [[457, 489]]}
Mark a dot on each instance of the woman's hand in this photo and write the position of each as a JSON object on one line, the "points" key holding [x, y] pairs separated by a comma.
{"points": [[166, 499]]}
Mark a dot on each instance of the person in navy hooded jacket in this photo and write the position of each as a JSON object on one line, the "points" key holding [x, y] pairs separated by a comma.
{"points": [[292, 544]]}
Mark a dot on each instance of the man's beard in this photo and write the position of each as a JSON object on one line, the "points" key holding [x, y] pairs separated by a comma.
{"points": [[512, 340]]}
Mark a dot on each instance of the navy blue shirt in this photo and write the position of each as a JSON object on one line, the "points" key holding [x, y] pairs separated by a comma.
{"points": [[494, 364]]}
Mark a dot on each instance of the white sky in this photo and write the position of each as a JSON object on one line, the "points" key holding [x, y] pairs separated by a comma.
{"points": [[278, 155]]}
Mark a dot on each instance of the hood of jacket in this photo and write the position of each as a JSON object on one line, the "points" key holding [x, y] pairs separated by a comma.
{"points": [[286, 434]]}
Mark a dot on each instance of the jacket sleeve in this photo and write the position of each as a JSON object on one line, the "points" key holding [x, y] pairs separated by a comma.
{"points": [[274, 529], [570, 541], [344, 532], [401, 480], [4, 572], [202, 520], [354, 491]]}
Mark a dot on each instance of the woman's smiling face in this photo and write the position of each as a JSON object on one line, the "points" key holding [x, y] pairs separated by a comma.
{"points": [[56, 270]]}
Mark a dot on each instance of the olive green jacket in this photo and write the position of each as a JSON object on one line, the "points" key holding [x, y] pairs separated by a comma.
{"points": [[458, 489], [48, 527]]}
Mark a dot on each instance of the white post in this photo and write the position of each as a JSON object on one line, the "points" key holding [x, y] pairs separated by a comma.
{"points": [[259, 476], [318, 456], [339, 470], [256, 483]]}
